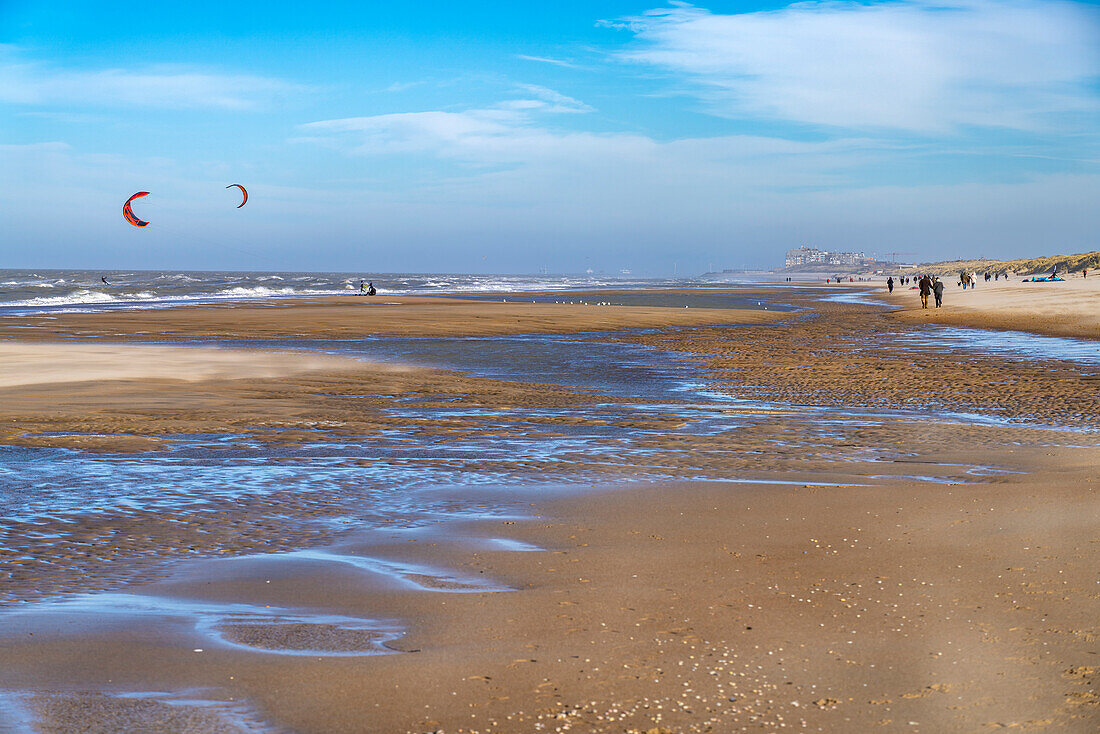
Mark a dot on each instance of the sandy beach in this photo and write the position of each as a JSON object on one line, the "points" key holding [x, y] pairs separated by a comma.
{"points": [[530, 368], [351, 317], [857, 531], [1069, 308]]}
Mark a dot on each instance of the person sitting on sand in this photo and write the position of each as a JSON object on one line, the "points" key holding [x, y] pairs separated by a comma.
{"points": [[925, 286], [370, 289], [937, 291]]}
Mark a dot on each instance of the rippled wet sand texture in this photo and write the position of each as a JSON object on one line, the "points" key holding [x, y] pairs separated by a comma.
{"points": [[813, 524], [690, 607], [350, 317], [851, 355]]}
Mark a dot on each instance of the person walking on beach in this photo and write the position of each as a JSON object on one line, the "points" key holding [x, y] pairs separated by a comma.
{"points": [[937, 291], [925, 286], [890, 285]]}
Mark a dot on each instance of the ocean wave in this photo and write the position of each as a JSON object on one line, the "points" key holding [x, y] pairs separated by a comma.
{"points": [[80, 290], [69, 299], [240, 291], [87, 297]]}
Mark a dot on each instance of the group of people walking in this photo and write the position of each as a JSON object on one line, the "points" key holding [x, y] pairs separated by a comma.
{"points": [[928, 285]]}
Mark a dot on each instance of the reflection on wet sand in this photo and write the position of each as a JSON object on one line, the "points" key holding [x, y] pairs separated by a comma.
{"points": [[459, 507]]}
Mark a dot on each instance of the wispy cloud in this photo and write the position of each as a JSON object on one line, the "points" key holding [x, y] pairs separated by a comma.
{"points": [[549, 100], [515, 137], [507, 131], [167, 86], [51, 146], [547, 60], [916, 65], [403, 86]]}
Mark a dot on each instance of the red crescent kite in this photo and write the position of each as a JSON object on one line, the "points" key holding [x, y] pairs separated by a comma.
{"points": [[242, 191], [129, 215]]}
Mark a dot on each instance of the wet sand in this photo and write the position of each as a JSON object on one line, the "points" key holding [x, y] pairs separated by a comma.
{"points": [[1069, 308], [916, 574], [353, 317], [681, 608]]}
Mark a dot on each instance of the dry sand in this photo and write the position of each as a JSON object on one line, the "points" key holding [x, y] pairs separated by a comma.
{"points": [[51, 364], [914, 575], [1070, 308]]}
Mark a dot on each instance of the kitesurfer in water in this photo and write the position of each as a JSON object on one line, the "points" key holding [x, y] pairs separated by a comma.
{"points": [[104, 279]]}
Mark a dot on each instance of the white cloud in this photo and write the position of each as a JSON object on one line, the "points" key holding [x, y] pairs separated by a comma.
{"points": [[547, 60], [403, 86], [920, 65], [511, 151], [505, 132], [173, 87], [552, 101], [45, 147]]}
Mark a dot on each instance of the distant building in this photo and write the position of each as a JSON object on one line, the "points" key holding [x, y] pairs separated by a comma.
{"points": [[803, 256]]}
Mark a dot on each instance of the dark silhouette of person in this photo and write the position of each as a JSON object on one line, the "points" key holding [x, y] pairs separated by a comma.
{"points": [[925, 286]]}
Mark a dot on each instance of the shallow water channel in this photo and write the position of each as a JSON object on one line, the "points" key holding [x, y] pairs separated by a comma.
{"points": [[641, 383]]}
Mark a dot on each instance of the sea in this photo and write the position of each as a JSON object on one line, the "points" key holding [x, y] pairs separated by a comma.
{"points": [[46, 291]]}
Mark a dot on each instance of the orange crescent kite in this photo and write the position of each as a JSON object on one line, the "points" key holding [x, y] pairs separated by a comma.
{"points": [[242, 191], [129, 215]]}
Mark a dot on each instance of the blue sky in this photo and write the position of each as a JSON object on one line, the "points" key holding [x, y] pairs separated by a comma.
{"points": [[509, 137]]}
